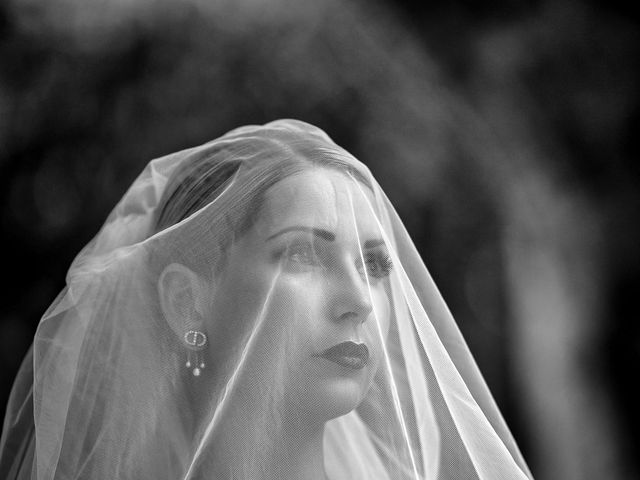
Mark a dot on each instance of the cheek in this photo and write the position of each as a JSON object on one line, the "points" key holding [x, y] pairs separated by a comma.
{"points": [[294, 314], [243, 301], [285, 310], [376, 328]]}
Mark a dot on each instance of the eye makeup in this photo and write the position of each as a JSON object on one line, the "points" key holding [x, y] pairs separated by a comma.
{"points": [[378, 263], [303, 253]]}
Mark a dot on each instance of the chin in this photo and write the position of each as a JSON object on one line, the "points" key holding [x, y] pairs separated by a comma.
{"points": [[333, 398]]}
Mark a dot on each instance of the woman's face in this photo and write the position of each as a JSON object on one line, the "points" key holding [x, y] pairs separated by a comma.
{"points": [[310, 279]]}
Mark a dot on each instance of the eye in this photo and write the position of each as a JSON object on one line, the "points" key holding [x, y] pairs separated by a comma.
{"points": [[378, 264], [303, 253]]}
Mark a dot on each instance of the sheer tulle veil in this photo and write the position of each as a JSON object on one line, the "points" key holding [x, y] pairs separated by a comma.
{"points": [[253, 308]]}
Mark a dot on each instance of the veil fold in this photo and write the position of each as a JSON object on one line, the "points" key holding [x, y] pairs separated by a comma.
{"points": [[251, 307]]}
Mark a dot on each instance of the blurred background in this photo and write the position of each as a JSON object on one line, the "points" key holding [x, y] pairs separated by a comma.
{"points": [[505, 134]]}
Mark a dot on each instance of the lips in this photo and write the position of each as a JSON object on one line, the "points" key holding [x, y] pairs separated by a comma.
{"points": [[348, 354]]}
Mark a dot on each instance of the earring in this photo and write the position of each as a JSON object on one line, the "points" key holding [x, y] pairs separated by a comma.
{"points": [[196, 342]]}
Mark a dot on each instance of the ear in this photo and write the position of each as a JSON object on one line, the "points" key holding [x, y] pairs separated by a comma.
{"points": [[182, 297]]}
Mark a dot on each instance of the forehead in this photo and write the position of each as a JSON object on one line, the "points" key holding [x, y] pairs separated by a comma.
{"points": [[319, 198]]}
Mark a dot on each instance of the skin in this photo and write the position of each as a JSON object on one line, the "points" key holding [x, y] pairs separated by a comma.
{"points": [[298, 280]]}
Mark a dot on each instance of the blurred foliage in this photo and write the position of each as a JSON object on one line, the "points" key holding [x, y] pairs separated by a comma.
{"points": [[468, 114]]}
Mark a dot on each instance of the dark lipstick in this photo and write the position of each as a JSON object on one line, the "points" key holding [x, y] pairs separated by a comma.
{"points": [[348, 354]]}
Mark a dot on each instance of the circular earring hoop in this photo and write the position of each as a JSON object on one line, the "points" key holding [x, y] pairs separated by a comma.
{"points": [[196, 340]]}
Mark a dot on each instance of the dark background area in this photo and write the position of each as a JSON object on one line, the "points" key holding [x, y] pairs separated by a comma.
{"points": [[506, 134]]}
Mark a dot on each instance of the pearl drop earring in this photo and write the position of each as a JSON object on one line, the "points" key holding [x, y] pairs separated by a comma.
{"points": [[196, 341]]}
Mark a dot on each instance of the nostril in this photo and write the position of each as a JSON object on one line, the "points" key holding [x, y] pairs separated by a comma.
{"points": [[354, 316], [348, 316], [353, 309]]}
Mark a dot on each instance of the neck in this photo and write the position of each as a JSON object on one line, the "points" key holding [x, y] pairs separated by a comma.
{"points": [[301, 455], [297, 452]]}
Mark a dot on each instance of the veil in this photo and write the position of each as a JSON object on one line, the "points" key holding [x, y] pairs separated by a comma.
{"points": [[253, 308]]}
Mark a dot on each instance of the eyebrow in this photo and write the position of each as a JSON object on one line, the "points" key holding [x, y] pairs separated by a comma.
{"points": [[324, 234]]}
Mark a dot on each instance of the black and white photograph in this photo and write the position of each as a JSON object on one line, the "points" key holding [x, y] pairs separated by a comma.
{"points": [[319, 240]]}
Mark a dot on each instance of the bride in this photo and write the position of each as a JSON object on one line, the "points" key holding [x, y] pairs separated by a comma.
{"points": [[253, 308]]}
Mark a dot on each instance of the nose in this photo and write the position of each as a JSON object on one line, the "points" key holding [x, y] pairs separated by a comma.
{"points": [[351, 299]]}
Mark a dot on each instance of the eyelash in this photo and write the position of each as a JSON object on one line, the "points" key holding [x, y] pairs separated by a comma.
{"points": [[379, 263]]}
